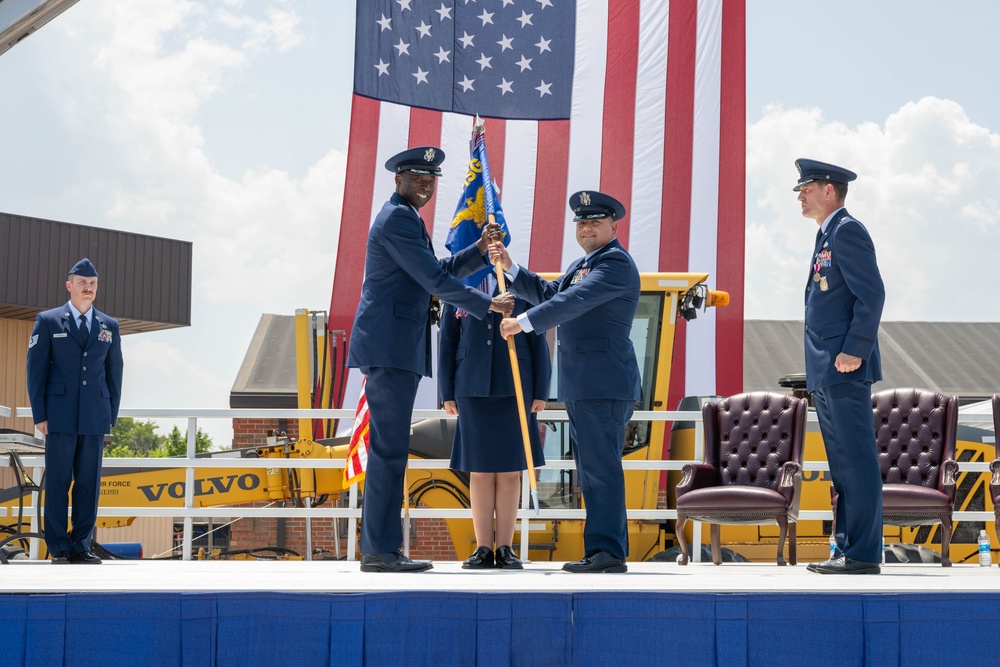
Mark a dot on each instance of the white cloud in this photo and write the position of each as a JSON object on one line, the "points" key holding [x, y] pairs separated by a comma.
{"points": [[926, 191], [159, 375], [138, 76]]}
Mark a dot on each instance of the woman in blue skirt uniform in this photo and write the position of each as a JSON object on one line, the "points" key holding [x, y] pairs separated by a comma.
{"points": [[476, 383]]}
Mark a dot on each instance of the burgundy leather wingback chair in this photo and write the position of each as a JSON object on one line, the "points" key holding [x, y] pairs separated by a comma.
{"points": [[915, 435], [752, 469], [995, 466]]}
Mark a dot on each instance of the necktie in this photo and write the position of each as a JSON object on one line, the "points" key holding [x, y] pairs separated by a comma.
{"points": [[83, 327]]}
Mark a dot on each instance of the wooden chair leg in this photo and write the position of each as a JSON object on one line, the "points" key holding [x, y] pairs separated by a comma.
{"points": [[792, 543], [714, 531], [679, 532], [946, 529], [782, 534]]}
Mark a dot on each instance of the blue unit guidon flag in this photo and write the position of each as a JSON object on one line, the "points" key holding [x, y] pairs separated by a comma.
{"points": [[656, 118], [501, 59]]}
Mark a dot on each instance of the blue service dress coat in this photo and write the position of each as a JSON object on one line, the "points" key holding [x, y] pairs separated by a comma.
{"points": [[593, 304], [474, 371], [845, 316], [75, 385], [392, 327]]}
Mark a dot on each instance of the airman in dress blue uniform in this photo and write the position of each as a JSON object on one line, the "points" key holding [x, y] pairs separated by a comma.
{"points": [[391, 344], [593, 305], [74, 386], [476, 383], [843, 307]]}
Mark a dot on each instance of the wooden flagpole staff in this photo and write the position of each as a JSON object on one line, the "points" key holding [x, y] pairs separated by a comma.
{"points": [[518, 389]]}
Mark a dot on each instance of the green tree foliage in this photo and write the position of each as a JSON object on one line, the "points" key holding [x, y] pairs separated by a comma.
{"points": [[175, 444], [139, 439], [134, 439]]}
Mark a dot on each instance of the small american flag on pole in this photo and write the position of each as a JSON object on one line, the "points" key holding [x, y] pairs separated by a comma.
{"points": [[357, 454]]}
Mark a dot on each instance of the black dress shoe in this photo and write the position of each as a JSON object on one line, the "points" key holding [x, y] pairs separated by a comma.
{"points": [[84, 558], [506, 559], [481, 559], [599, 561], [393, 562], [60, 558], [845, 565]]}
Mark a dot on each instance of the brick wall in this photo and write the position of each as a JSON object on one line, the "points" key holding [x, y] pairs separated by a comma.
{"points": [[429, 540], [252, 433]]}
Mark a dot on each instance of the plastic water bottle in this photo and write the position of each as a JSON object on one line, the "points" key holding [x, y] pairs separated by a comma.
{"points": [[833, 546], [883, 550], [985, 559]]}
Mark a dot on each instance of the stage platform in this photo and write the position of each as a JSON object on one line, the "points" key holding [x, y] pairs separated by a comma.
{"points": [[330, 613]]}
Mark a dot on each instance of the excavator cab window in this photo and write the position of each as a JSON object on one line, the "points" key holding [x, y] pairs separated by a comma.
{"points": [[646, 341]]}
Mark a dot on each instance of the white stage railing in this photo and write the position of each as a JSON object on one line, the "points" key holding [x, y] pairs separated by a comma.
{"points": [[353, 513]]}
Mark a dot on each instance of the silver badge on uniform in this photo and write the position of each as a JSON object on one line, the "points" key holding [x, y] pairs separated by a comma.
{"points": [[32, 341]]}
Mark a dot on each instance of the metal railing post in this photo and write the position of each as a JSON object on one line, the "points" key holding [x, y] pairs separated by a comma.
{"points": [[192, 440], [352, 523], [525, 520]]}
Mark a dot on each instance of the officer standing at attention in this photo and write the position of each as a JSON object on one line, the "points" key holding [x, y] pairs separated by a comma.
{"points": [[74, 386], [391, 344], [843, 301], [593, 305]]}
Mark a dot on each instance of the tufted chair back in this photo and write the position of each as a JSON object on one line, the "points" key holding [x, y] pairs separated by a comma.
{"points": [[915, 433], [752, 470], [749, 437]]}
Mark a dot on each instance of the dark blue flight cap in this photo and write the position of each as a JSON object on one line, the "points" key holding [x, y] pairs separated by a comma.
{"points": [[83, 268], [590, 204], [814, 170], [422, 160]]}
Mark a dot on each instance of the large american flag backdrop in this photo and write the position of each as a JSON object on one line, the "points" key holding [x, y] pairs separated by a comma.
{"points": [[641, 99]]}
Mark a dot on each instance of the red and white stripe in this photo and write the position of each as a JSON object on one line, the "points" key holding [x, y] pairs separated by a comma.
{"points": [[658, 121], [357, 453]]}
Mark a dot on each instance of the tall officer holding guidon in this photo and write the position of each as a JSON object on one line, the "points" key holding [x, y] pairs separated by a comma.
{"points": [[391, 344], [843, 307]]}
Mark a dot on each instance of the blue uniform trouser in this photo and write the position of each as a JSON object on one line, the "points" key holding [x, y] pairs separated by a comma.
{"points": [[390, 393], [71, 458], [845, 418], [597, 431]]}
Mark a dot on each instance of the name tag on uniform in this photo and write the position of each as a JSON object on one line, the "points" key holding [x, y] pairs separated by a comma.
{"points": [[579, 275], [61, 335]]}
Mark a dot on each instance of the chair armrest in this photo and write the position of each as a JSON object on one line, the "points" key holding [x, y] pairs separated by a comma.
{"points": [[697, 476], [786, 485], [949, 471]]}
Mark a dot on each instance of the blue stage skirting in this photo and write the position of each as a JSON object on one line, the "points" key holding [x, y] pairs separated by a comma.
{"points": [[495, 629]]}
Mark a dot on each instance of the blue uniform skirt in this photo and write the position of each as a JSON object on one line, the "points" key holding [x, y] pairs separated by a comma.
{"points": [[488, 436]]}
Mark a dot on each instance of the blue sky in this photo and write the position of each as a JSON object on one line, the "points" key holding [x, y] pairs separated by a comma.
{"points": [[225, 122]]}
